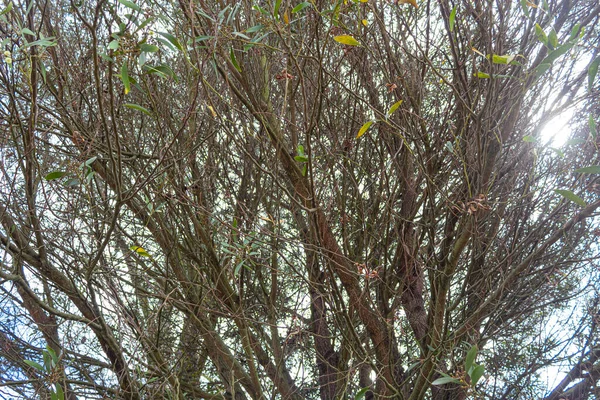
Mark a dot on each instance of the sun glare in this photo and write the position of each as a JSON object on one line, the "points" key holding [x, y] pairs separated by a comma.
{"points": [[557, 131]]}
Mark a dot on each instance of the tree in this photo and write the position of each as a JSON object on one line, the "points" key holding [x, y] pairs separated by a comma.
{"points": [[277, 199]]}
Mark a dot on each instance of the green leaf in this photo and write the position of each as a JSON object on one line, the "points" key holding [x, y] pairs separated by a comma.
{"points": [[255, 28], [363, 129], [172, 39], [34, 365], [361, 393], [221, 15], [541, 69], [276, 8], [140, 250], [445, 379], [89, 176], [238, 267], [148, 48], [43, 70], [55, 175], [240, 34], [394, 107], [28, 31], [452, 19], [300, 7], [482, 75], [130, 4], [541, 35], [552, 40], [554, 54], [505, 59], [46, 42], [525, 8], [145, 23], [412, 366], [558, 152], [592, 71], [138, 108], [477, 374], [301, 158], [53, 355], [470, 359], [449, 146], [575, 31], [529, 139], [60, 395], [71, 183], [48, 364], [113, 45], [260, 9], [347, 40], [573, 142], [545, 5], [592, 169], [89, 162], [569, 195], [592, 125], [234, 60], [8, 9], [202, 38], [163, 71], [125, 77]]}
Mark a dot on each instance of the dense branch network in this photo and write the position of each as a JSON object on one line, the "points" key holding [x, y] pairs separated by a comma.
{"points": [[298, 200]]}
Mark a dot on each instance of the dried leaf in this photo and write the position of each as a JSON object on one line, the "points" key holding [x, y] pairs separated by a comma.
{"points": [[477, 51], [411, 2], [212, 110]]}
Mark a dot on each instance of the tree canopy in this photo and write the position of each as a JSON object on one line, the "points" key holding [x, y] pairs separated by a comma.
{"points": [[276, 199]]}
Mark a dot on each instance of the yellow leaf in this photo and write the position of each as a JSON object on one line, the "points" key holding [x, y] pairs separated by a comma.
{"points": [[346, 39], [212, 111], [364, 128], [364, 1], [497, 59], [394, 107], [477, 51], [140, 250], [365, 22], [286, 19], [412, 2]]}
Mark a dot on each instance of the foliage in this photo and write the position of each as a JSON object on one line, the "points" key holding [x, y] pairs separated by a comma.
{"points": [[299, 200]]}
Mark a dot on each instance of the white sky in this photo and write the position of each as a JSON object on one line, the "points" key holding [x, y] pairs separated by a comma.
{"points": [[557, 131]]}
